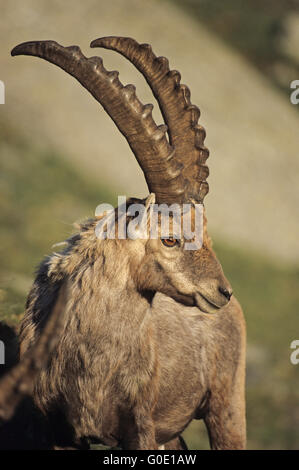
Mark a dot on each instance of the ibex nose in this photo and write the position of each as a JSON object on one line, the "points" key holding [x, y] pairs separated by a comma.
{"points": [[226, 292]]}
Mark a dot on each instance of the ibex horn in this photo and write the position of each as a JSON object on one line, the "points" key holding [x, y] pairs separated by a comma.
{"points": [[157, 158], [181, 117]]}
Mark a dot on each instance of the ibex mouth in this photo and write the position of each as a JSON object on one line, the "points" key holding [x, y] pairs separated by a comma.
{"points": [[204, 304]]}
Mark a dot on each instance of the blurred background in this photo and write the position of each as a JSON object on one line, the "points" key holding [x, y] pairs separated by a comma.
{"points": [[61, 156]]}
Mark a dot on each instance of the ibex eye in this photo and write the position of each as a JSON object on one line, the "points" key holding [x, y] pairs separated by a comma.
{"points": [[169, 242]]}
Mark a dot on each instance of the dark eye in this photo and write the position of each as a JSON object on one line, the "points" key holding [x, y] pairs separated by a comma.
{"points": [[169, 242]]}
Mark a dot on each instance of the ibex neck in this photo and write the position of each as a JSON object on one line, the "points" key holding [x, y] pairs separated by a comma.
{"points": [[108, 294]]}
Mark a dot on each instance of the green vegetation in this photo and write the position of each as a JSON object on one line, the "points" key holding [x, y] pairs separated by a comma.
{"points": [[40, 198]]}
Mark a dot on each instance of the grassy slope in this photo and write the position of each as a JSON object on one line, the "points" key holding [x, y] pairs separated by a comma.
{"points": [[40, 198]]}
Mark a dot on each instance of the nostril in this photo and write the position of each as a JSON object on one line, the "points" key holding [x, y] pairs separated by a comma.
{"points": [[226, 292]]}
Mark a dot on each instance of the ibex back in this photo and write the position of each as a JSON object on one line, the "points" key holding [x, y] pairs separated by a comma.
{"points": [[152, 336]]}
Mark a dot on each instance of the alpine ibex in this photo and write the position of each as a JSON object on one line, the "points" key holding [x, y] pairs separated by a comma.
{"points": [[152, 336]]}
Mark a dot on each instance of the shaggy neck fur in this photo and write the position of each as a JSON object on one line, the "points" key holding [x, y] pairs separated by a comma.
{"points": [[105, 336]]}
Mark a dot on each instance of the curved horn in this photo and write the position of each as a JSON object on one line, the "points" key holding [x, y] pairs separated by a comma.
{"points": [[20, 381], [181, 117], [134, 120]]}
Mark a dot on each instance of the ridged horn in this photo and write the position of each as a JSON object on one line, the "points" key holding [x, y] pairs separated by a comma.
{"points": [[181, 117], [148, 141]]}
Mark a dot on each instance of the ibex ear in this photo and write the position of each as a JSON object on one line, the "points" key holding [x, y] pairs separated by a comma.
{"points": [[139, 226], [151, 199]]}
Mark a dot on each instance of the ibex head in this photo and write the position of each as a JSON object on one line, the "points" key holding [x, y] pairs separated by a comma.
{"points": [[193, 277], [172, 157]]}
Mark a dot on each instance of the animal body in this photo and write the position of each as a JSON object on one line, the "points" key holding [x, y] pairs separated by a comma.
{"points": [[152, 337]]}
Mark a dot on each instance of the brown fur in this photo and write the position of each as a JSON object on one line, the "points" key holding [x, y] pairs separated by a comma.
{"points": [[19, 380], [138, 359]]}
